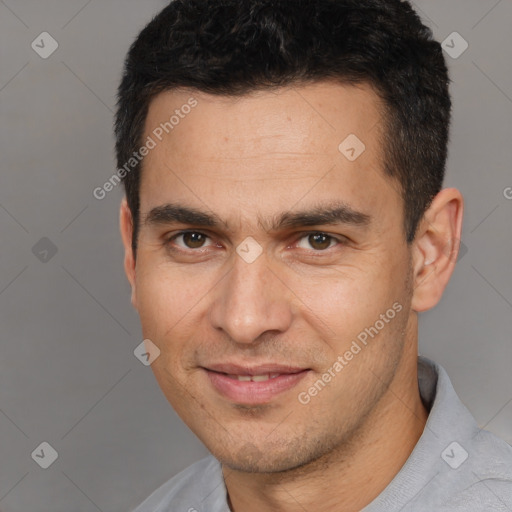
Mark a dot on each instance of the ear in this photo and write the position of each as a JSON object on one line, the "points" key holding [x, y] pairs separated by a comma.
{"points": [[126, 226], [435, 248]]}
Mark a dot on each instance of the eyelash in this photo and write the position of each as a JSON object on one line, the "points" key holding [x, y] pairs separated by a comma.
{"points": [[169, 241]]}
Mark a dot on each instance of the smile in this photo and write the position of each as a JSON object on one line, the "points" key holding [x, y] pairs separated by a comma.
{"points": [[254, 387]]}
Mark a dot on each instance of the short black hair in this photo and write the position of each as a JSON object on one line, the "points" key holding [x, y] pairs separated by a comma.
{"points": [[234, 47]]}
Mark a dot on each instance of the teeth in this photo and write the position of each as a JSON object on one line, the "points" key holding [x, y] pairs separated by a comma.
{"points": [[255, 378], [260, 378]]}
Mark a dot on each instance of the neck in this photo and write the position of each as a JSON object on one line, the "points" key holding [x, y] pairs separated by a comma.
{"points": [[352, 476]]}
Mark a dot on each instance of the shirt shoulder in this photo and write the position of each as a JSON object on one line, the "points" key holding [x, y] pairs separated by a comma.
{"points": [[198, 487], [473, 469], [455, 466], [486, 478]]}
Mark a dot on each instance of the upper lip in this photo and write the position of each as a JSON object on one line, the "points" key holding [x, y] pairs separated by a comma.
{"points": [[261, 369]]}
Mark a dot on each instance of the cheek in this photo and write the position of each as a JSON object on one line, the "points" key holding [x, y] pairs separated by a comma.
{"points": [[169, 307], [341, 304], [166, 294], [169, 304]]}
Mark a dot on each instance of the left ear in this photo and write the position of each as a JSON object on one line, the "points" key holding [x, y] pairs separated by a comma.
{"points": [[435, 248]]}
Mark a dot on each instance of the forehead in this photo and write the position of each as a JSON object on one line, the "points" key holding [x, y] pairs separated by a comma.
{"points": [[271, 121], [266, 147]]}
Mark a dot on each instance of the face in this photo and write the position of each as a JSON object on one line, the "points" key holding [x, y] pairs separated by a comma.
{"points": [[272, 271]]}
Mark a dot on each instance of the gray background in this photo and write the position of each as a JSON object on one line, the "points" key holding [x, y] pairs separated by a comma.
{"points": [[68, 375]]}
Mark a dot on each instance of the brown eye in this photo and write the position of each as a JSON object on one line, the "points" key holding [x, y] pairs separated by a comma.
{"points": [[193, 240], [317, 241], [190, 240]]}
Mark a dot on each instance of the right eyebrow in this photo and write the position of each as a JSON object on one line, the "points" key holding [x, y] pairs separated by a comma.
{"points": [[171, 213]]}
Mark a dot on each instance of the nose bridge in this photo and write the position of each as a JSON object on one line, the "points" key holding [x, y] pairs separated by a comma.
{"points": [[250, 300]]}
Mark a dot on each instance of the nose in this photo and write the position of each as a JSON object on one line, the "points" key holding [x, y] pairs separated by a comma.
{"points": [[250, 300]]}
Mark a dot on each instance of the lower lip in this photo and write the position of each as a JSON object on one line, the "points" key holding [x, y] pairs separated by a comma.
{"points": [[254, 393]]}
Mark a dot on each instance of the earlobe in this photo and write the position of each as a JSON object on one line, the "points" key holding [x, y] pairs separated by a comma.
{"points": [[435, 248], [126, 227]]}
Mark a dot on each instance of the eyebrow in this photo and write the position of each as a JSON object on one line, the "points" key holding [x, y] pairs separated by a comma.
{"points": [[332, 214]]}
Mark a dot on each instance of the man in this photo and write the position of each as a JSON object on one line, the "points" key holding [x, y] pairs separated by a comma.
{"points": [[284, 224]]}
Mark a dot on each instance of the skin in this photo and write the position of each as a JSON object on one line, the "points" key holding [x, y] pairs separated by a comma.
{"points": [[248, 160]]}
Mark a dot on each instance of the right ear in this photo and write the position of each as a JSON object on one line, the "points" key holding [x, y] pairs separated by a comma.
{"points": [[126, 226]]}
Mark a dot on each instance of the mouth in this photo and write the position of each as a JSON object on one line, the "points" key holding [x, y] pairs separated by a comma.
{"points": [[256, 385], [254, 378]]}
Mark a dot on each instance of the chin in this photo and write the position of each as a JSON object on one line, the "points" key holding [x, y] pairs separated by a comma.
{"points": [[250, 459]]}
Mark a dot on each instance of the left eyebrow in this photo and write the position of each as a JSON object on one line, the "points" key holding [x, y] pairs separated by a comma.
{"points": [[333, 214], [338, 213]]}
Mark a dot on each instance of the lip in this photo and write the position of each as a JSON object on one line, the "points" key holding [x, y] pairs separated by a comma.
{"points": [[249, 392], [261, 369]]}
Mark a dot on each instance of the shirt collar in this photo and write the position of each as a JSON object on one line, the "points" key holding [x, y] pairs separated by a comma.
{"points": [[449, 421]]}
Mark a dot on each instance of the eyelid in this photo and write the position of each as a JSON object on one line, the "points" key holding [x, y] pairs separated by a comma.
{"points": [[168, 239], [340, 239]]}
